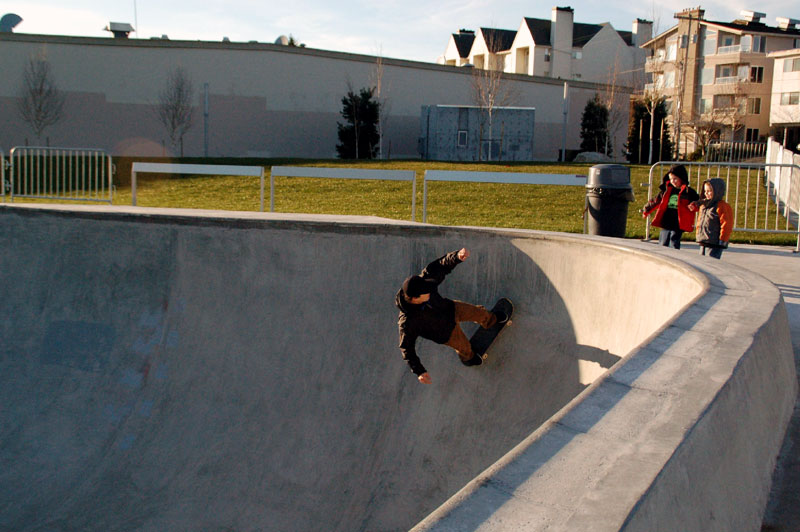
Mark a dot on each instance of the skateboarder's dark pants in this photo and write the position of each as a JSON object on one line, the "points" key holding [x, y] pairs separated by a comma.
{"points": [[467, 312]]}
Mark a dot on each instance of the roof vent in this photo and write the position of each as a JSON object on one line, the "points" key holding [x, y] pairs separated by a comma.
{"points": [[786, 23], [119, 29], [8, 22], [752, 16]]}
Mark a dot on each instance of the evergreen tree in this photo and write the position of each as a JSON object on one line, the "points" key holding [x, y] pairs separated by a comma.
{"points": [[639, 134], [358, 136], [594, 127]]}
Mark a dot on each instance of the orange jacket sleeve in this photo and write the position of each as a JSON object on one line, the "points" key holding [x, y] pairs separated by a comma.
{"points": [[725, 221]]}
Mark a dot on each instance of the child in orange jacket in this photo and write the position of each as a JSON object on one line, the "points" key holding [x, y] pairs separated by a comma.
{"points": [[715, 223], [671, 206]]}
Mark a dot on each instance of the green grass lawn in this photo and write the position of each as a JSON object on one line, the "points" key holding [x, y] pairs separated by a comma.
{"points": [[541, 207]]}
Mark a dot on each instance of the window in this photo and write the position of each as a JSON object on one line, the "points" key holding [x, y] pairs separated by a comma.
{"points": [[669, 79], [462, 139], [710, 43], [706, 76], [726, 71], [754, 106], [790, 98], [751, 135], [759, 43], [746, 43], [757, 74], [705, 105], [723, 101], [791, 65], [726, 40], [672, 52]]}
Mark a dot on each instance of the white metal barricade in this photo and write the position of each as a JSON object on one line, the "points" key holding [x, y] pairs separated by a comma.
{"points": [[73, 174], [197, 169], [3, 183], [343, 173], [765, 197], [496, 177]]}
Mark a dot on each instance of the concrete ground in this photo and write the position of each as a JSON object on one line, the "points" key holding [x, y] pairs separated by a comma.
{"points": [[146, 386], [782, 267]]}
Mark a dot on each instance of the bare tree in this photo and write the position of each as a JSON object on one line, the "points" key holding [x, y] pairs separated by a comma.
{"points": [[380, 94], [651, 98], [614, 99], [705, 127], [41, 103], [174, 108], [490, 91]]}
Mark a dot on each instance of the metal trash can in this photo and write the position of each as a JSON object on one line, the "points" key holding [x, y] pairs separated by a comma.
{"points": [[608, 192]]}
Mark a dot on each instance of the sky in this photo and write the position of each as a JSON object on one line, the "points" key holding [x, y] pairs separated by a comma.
{"points": [[409, 29]]}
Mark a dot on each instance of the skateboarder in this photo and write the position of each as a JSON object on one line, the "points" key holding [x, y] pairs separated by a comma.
{"points": [[424, 313]]}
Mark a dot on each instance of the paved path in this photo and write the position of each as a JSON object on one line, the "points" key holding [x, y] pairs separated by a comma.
{"points": [[782, 267]]}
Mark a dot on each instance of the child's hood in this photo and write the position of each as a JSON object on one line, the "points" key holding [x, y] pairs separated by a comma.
{"points": [[718, 186]]}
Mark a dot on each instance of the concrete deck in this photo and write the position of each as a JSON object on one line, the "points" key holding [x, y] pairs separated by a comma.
{"points": [[239, 371]]}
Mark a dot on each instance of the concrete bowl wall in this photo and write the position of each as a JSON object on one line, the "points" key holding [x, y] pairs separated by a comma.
{"points": [[167, 369], [681, 434]]}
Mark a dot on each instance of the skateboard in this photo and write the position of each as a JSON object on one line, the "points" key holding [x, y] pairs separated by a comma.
{"points": [[482, 338]]}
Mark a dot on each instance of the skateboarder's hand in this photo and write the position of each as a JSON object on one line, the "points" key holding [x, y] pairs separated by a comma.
{"points": [[463, 253], [425, 378]]}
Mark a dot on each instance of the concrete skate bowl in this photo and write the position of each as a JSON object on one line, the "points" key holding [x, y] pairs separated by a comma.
{"points": [[183, 370]]}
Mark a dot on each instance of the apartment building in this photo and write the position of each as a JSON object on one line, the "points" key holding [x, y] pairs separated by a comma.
{"points": [[784, 115], [557, 48], [716, 77]]}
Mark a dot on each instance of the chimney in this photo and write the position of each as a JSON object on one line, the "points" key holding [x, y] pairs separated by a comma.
{"points": [[694, 13], [751, 16], [642, 32], [561, 25], [119, 29], [786, 23]]}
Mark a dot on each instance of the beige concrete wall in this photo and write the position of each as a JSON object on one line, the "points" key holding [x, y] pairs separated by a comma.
{"points": [[682, 434], [265, 100]]}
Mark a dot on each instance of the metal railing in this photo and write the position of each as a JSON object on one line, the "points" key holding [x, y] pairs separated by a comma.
{"points": [[73, 174], [197, 169], [735, 151], [3, 183], [764, 197], [497, 177], [343, 173]]}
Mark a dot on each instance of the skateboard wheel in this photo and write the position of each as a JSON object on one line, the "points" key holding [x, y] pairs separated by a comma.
{"points": [[485, 356]]}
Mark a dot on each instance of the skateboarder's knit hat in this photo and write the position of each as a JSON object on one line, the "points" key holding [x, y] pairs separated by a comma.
{"points": [[416, 285]]}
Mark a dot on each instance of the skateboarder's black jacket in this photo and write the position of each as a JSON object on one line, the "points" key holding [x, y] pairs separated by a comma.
{"points": [[433, 320]]}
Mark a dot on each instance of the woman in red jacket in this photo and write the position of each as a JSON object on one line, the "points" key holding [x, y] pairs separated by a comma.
{"points": [[671, 206]]}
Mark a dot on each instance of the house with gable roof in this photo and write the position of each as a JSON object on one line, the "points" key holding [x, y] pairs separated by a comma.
{"points": [[491, 48], [558, 48], [458, 48]]}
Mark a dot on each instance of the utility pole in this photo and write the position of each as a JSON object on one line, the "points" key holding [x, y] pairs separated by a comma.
{"points": [[205, 119], [564, 127]]}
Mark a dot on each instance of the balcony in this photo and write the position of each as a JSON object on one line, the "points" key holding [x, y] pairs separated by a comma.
{"points": [[729, 80], [735, 49], [654, 64]]}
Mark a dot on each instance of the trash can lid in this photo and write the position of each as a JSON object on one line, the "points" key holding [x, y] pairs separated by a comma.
{"points": [[609, 176]]}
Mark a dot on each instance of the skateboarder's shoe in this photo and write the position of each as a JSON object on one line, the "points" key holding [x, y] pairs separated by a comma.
{"points": [[476, 360], [502, 317]]}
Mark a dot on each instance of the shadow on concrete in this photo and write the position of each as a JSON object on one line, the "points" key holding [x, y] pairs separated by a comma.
{"points": [[162, 373], [566, 427]]}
